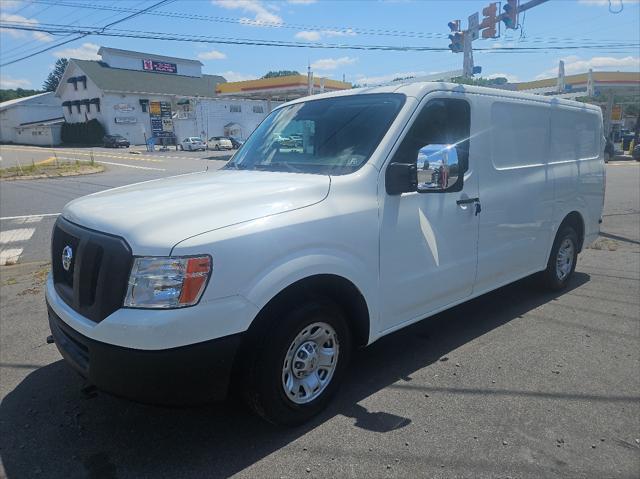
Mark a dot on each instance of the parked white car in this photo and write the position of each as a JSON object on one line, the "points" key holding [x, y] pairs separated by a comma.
{"points": [[193, 143], [268, 273], [219, 143]]}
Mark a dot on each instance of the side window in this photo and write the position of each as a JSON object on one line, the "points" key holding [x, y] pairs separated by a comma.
{"points": [[438, 143]]}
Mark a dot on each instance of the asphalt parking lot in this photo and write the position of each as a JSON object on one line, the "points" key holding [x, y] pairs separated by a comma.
{"points": [[517, 383]]}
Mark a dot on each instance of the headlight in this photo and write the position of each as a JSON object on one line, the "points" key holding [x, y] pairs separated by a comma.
{"points": [[167, 282]]}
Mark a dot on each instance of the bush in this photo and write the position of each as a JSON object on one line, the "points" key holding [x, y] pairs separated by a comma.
{"points": [[87, 133]]}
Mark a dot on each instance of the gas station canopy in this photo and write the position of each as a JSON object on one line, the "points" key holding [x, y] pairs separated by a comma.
{"points": [[282, 88]]}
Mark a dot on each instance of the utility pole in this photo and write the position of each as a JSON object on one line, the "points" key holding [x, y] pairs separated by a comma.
{"points": [[561, 85], [467, 61], [309, 80]]}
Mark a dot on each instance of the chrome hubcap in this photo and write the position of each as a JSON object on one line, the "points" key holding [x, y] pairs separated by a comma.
{"points": [[310, 363], [564, 260]]}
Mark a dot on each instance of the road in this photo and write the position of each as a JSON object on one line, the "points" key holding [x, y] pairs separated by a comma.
{"points": [[517, 383], [31, 206]]}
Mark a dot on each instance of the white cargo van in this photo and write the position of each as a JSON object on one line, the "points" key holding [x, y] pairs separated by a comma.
{"points": [[397, 202]]}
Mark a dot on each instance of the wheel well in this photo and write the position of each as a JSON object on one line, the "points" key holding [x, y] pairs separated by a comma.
{"points": [[574, 219], [340, 290]]}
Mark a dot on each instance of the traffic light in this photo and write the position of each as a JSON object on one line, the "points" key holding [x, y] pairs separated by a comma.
{"points": [[457, 42], [456, 37], [488, 24], [510, 18]]}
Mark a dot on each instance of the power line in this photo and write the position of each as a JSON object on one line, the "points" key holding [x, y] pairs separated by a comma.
{"points": [[84, 34], [148, 35], [336, 29], [27, 47]]}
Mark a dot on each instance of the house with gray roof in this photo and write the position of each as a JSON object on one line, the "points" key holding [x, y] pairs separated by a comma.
{"points": [[143, 95]]}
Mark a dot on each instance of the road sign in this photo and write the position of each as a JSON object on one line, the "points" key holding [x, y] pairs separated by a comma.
{"points": [[616, 113], [474, 26]]}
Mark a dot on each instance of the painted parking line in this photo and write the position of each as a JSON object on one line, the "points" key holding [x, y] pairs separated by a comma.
{"points": [[130, 166]]}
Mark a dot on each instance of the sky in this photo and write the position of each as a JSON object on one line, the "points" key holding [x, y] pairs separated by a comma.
{"points": [[591, 25]]}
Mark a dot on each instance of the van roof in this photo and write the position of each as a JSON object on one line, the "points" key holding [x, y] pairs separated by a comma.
{"points": [[419, 89]]}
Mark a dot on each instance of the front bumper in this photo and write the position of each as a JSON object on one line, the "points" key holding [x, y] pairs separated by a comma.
{"points": [[192, 374]]}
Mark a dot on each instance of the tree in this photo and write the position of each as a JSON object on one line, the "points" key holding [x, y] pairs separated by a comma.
{"points": [[17, 93], [280, 73], [52, 81]]}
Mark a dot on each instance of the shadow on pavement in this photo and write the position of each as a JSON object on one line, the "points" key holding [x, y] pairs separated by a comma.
{"points": [[49, 429]]}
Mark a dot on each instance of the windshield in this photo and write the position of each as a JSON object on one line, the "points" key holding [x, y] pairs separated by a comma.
{"points": [[329, 136]]}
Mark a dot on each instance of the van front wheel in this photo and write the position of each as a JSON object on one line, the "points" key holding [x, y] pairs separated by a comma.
{"points": [[562, 261], [296, 368]]}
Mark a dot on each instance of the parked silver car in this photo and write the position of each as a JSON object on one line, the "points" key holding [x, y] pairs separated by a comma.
{"points": [[193, 143]]}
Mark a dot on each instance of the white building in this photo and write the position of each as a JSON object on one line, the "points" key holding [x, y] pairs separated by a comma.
{"points": [[142, 95], [32, 120]]}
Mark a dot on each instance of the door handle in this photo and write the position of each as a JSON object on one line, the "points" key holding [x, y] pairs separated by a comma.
{"points": [[468, 201]]}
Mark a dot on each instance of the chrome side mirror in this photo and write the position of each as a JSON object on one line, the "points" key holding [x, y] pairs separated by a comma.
{"points": [[438, 167]]}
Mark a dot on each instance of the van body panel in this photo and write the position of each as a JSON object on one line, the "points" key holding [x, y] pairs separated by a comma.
{"points": [[427, 242], [155, 215], [526, 163], [338, 236]]}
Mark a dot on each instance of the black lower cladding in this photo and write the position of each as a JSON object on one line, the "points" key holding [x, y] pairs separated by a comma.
{"points": [[194, 374], [94, 280]]}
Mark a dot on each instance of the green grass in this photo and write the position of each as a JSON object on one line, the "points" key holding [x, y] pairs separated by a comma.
{"points": [[50, 168]]}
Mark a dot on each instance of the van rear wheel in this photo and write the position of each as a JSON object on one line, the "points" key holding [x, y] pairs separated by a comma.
{"points": [[562, 260], [296, 368]]}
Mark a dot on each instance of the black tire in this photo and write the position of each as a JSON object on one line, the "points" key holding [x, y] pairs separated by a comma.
{"points": [[551, 278], [180, 147], [263, 390]]}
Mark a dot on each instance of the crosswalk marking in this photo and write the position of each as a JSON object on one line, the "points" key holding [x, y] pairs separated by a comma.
{"points": [[13, 236], [9, 256]]}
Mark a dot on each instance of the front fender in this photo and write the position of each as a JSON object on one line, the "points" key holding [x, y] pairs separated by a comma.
{"points": [[305, 264]]}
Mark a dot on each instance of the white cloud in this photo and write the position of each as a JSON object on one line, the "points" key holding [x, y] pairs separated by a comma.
{"points": [[235, 76], [212, 55], [510, 78], [615, 4], [87, 51], [315, 35], [9, 17], [574, 64], [310, 36], [302, 2], [261, 13], [42, 37], [332, 63], [9, 82]]}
